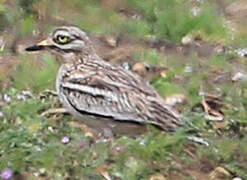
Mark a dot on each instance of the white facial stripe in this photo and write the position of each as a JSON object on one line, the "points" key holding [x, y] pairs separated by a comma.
{"points": [[63, 33]]}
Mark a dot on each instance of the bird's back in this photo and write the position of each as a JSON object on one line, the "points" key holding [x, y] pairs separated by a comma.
{"points": [[96, 87]]}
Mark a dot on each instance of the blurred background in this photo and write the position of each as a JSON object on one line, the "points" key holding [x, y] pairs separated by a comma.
{"points": [[192, 51]]}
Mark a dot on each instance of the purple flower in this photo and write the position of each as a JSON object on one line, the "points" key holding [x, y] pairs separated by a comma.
{"points": [[65, 140], [6, 174]]}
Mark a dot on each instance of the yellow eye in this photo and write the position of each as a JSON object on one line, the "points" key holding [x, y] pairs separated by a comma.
{"points": [[63, 39]]}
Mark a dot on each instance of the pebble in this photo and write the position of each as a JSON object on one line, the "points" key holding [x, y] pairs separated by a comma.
{"points": [[214, 118], [51, 129], [42, 171], [195, 11], [7, 98], [126, 65], [199, 1], [175, 99], [188, 69], [143, 142], [242, 52], [21, 97], [239, 77], [111, 41], [1, 114], [186, 40], [27, 93], [24, 95], [198, 140], [237, 178]]}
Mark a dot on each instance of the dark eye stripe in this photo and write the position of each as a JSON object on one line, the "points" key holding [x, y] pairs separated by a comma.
{"points": [[76, 37]]}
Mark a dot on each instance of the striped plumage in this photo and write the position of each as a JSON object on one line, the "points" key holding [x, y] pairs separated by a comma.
{"points": [[87, 84]]}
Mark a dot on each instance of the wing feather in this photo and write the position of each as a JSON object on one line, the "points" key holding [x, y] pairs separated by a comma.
{"points": [[116, 92]]}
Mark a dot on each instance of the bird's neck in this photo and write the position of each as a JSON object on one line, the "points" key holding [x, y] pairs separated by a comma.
{"points": [[82, 58]]}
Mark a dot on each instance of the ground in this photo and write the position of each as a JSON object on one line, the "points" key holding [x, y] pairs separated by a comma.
{"points": [[192, 52]]}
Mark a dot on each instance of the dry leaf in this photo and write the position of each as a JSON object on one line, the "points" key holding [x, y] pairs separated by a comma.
{"points": [[139, 68], [157, 177], [219, 172], [103, 170]]}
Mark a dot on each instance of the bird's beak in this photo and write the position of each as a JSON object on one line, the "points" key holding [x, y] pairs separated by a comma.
{"points": [[40, 46]]}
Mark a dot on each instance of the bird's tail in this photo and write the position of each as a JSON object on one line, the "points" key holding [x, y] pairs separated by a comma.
{"points": [[167, 118]]}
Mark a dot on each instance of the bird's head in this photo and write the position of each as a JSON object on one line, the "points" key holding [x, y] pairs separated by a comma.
{"points": [[65, 42]]}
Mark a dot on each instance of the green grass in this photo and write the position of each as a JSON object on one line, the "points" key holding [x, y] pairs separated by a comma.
{"points": [[28, 144], [173, 20], [31, 143], [28, 24], [166, 88], [150, 57], [29, 73]]}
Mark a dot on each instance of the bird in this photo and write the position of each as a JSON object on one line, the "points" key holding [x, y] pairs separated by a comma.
{"points": [[118, 99]]}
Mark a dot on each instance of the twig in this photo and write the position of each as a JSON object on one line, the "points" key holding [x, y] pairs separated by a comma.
{"points": [[54, 111]]}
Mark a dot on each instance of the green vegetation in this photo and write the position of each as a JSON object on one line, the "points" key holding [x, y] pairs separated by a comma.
{"points": [[31, 140], [174, 19], [28, 73]]}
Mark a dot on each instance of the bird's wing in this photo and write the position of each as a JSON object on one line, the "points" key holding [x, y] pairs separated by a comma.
{"points": [[113, 91]]}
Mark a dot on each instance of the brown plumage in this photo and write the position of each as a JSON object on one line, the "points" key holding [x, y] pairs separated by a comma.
{"points": [[88, 85]]}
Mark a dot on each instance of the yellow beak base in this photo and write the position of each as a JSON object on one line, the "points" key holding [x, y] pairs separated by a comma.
{"points": [[40, 46]]}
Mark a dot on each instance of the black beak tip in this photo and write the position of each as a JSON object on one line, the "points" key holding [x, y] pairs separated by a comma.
{"points": [[33, 48]]}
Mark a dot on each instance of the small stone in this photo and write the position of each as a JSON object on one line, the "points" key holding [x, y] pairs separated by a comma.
{"points": [[21, 97], [195, 11], [242, 52], [237, 178], [24, 95], [136, 17], [163, 74], [187, 40], [219, 49], [239, 77], [6, 174], [39, 149], [65, 140], [198, 140], [188, 69], [27, 93], [7, 98], [51, 129], [143, 142], [200, 1], [214, 118], [42, 171], [126, 65], [101, 140], [36, 174], [111, 41], [175, 99], [1, 114]]}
